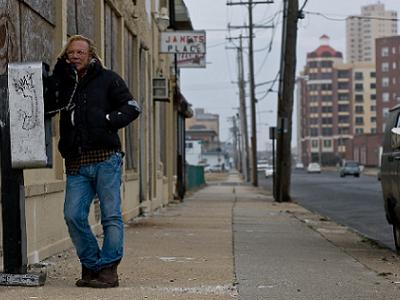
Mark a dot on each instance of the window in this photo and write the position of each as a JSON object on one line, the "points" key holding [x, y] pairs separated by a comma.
{"points": [[359, 98], [326, 120], [343, 74], [385, 51], [372, 86], [359, 87], [326, 76], [314, 144], [189, 145], [385, 112], [385, 67], [358, 76], [385, 81], [373, 119], [342, 142], [313, 121], [132, 130], [326, 98], [343, 108], [394, 65], [344, 130], [373, 96], [326, 87], [359, 131], [359, 109], [314, 131], [385, 97], [373, 74], [343, 119], [326, 109], [359, 121], [313, 64], [342, 96], [313, 109], [343, 85], [373, 108], [327, 143], [327, 131], [326, 64]]}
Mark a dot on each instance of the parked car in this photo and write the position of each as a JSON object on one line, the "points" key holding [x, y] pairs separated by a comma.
{"points": [[262, 165], [390, 172], [350, 168], [299, 166], [314, 168], [214, 168], [269, 171]]}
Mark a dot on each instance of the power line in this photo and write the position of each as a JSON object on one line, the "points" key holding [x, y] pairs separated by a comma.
{"points": [[270, 89], [304, 5], [349, 17]]}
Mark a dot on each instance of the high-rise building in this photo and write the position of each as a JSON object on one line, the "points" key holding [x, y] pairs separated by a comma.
{"points": [[336, 102], [387, 78], [362, 30], [324, 106]]}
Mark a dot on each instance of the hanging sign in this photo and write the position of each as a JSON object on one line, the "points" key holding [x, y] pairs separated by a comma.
{"points": [[193, 42], [187, 60]]}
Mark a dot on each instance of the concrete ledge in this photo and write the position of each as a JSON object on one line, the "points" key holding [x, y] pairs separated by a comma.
{"points": [[44, 188]]}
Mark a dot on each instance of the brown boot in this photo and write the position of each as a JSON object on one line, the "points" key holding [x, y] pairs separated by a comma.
{"points": [[107, 278], [87, 276]]}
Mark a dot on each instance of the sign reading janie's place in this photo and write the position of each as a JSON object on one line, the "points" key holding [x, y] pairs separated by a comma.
{"points": [[193, 42]]}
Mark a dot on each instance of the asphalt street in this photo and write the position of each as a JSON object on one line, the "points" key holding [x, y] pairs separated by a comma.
{"points": [[354, 202]]}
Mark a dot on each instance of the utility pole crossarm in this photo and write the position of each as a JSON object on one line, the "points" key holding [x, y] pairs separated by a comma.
{"points": [[248, 26], [252, 2]]}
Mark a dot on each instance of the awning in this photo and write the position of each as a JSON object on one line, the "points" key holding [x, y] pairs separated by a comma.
{"points": [[182, 18]]}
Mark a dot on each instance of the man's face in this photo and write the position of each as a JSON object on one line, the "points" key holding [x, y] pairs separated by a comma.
{"points": [[78, 54]]}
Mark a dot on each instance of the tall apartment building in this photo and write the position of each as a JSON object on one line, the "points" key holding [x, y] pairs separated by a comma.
{"points": [[362, 30], [387, 77], [337, 101]]}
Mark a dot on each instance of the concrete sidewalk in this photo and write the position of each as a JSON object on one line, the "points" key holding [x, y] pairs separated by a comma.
{"points": [[230, 241]]}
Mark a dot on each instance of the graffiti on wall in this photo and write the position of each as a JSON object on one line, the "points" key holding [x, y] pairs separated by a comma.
{"points": [[8, 40], [25, 87]]}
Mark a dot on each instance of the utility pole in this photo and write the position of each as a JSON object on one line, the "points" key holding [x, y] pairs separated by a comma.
{"points": [[253, 99], [285, 97], [243, 114], [235, 143], [244, 139]]}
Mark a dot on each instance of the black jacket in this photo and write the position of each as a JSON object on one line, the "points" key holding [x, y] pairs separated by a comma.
{"points": [[83, 106]]}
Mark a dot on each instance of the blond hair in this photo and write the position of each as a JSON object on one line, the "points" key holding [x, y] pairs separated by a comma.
{"points": [[77, 37]]}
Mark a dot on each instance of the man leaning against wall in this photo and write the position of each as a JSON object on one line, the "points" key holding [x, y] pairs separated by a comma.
{"points": [[93, 103]]}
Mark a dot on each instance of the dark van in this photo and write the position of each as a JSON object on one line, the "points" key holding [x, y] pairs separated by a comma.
{"points": [[390, 172]]}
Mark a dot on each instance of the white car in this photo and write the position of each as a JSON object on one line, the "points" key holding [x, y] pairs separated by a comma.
{"points": [[314, 168], [269, 171]]}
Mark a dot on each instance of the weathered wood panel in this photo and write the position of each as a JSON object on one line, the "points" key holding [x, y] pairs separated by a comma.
{"points": [[45, 8], [71, 17], [37, 37], [115, 44], [86, 18], [108, 36], [9, 33]]}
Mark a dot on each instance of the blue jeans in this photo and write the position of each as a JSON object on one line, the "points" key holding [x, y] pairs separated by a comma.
{"points": [[103, 179]]}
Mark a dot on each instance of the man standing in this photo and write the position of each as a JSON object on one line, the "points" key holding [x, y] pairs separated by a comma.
{"points": [[93, 103]]}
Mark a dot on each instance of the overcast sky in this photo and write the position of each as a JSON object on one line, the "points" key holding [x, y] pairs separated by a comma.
{"points": [[212, 88]]}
